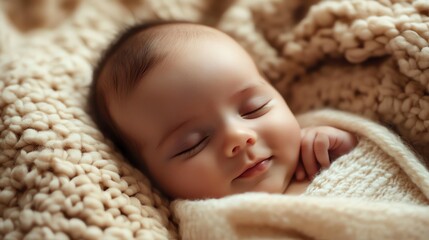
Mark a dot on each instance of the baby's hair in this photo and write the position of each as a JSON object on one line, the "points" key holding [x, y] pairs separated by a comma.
{"points": [[120, 68]]}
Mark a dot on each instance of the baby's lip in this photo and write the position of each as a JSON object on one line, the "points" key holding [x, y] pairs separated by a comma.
{"points": [[254, 168]]}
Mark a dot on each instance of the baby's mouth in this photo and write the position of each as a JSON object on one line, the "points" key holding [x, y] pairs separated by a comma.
{"points": [[256, 169]]}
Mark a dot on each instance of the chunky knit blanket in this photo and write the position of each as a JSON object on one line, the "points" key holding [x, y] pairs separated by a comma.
{"points": [[61, 179]]}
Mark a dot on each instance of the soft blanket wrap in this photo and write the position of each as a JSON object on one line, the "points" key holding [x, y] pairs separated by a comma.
{"points": [[61, 179]]}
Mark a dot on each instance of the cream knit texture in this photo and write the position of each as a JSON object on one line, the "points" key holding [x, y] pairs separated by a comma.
{"points": [[61, 179]]}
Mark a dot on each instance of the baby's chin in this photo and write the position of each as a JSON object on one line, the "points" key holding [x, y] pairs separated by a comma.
{"points": [[275, 182], [297, 187], [280, 189], [272, 187]]}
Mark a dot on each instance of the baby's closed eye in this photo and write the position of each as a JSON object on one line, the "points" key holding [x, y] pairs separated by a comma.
{"points": [[191, 145], [255, 107]]}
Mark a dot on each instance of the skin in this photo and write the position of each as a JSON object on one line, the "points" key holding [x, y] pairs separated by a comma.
{"points": [[205, 115]]}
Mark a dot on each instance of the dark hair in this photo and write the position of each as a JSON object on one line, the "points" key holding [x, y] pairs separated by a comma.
{"points": [[121, 67]]}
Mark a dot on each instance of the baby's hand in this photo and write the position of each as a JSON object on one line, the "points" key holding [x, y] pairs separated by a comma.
{"points": [[320, 146]]}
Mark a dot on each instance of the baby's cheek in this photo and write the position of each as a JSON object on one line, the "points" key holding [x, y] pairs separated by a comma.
{"points": [[199, 177], [285, 134], [288, 145]]}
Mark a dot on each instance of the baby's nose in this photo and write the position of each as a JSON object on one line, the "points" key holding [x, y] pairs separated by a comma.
{"points": [[238, 140]]}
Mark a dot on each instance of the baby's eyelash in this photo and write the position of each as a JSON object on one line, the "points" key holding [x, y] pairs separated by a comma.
{"points": [[194, 149], [256, 110]]}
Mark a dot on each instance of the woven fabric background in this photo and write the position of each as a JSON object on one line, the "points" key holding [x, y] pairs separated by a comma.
{"points": [[60, 178]]}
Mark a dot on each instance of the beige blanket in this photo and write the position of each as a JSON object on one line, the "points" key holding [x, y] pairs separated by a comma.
{"points": [[61, 179]]}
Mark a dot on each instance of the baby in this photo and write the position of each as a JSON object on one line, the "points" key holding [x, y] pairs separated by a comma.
{"points": [[189, 104]]}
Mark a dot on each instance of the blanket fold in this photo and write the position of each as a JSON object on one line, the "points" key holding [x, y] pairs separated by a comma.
{"points": [[265, 216]]}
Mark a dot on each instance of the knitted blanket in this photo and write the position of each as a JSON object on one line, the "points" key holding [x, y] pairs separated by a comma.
{"points": [[61, 179]]}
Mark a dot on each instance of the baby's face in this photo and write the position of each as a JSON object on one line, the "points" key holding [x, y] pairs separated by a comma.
{"points": [[208, 125]]}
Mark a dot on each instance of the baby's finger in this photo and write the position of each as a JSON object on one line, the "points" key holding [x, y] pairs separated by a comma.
{"points": [[307, 154], [300, 172], [321, 147]]}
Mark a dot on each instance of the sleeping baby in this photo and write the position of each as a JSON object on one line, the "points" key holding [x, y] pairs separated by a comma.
{"points": [[188, 106]]}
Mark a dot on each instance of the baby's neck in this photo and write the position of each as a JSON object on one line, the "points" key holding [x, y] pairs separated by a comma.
{"points": [[297, 187]]}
